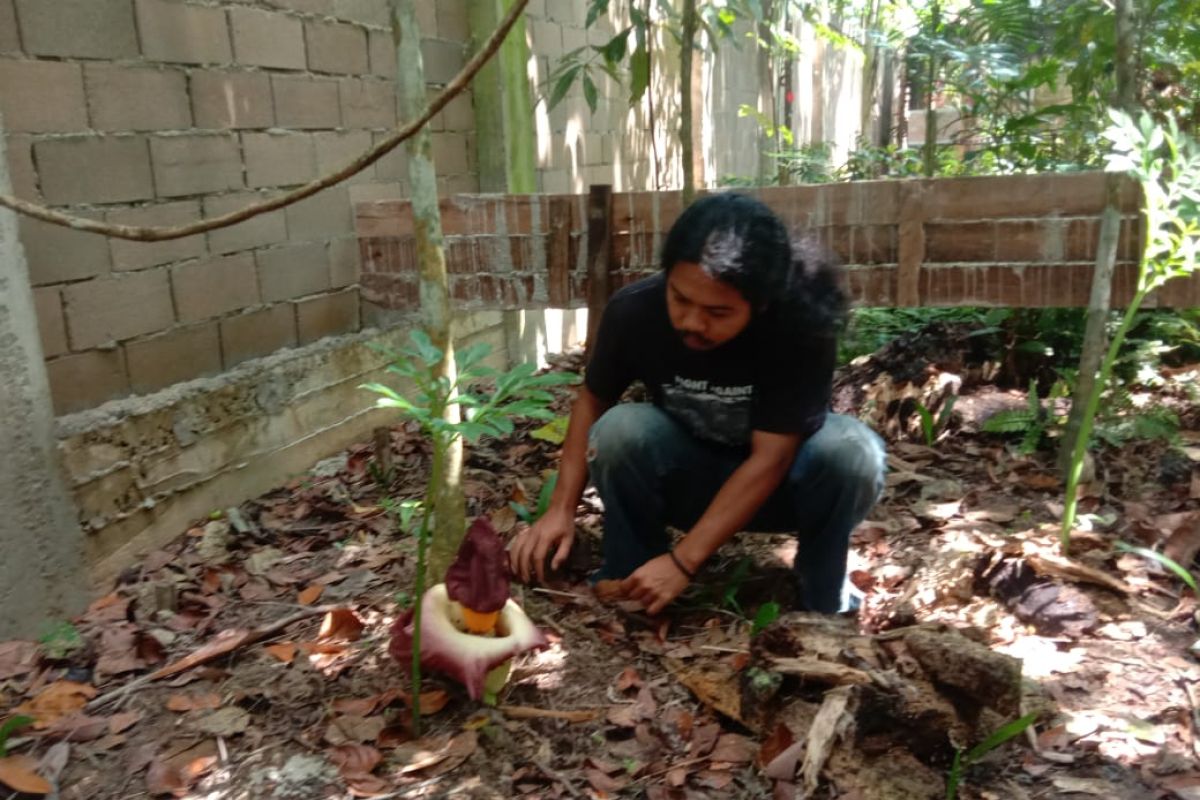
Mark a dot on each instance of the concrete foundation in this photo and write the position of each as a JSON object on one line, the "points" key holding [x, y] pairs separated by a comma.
{"points": [[142, 470], [40, 541]]}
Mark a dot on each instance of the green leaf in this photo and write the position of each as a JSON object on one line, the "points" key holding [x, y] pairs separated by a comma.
{"points": [[430, 354], [1000, 736], [639, 74], [522, 512], [767, 613], [926, 423], [10, 727], [1012, 420], [589, 92], [469, 356], [545, 494], [563, 85], [554, 431], [597, 9], [1166, 561], [554, 379], [616, 47]]}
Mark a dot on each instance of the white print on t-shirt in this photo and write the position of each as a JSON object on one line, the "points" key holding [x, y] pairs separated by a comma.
{"points": [[717, 413]]}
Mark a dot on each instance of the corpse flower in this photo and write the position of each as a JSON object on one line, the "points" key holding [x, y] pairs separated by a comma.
{"points": [[470, 627]]}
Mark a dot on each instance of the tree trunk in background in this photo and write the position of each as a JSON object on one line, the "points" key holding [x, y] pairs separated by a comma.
{"points": [[42, 574], [870, 74], [687, 43], [767, 140], [487, 101], [520, 139], [1095, 336], [886, 94], [448, 506], [935, 22], [505, 139]]}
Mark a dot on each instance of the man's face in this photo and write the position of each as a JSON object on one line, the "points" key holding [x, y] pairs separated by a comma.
{"points": [[704, 311]]}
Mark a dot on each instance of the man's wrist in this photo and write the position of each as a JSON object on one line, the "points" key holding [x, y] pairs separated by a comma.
{"points": [[691, 557]]}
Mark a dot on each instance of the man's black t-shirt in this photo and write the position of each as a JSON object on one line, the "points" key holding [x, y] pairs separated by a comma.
{"points": [[759, 380]]}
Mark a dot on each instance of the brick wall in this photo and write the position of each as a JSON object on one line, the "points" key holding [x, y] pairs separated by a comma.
{"points": [[1025, 240], [164, 111]]}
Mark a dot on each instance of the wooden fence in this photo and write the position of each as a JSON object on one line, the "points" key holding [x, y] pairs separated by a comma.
{"points": [[1022, 241]]}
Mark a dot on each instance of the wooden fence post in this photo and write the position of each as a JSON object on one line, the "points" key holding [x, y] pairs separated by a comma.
{"points": [[558, 252], [599, 249], [912, 243]]}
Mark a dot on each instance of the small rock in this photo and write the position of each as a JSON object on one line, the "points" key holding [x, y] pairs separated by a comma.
{"points": [[214, 542], [330, 467]]}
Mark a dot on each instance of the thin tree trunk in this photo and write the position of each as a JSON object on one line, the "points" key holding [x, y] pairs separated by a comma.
{"points": [[935, 22], [766, 96], [1095, 336], [687, 42], [448, 506], [870, 74], [520, 139], [887, 92]]}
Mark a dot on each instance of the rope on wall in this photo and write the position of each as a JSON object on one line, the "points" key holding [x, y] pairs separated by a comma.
{"points": [[139, 233]]}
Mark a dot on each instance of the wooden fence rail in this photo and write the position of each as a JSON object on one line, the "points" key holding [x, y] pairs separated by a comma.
{"points": [[1021, 241]]}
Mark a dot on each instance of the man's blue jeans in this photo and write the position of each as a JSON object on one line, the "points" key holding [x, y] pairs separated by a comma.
{"points": [[651, 473]]}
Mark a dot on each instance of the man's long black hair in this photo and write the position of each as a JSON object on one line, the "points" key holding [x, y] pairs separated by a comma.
{"points": [[793, 286]]}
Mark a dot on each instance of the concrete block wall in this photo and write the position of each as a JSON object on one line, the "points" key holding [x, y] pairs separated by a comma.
{"points": [[160, 112], [143, 469]]}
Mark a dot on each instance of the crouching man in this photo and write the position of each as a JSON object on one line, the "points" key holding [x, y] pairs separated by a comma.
{"points": [[735, 342]]}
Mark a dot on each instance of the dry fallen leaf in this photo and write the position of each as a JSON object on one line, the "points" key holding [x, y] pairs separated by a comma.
{"points": [[223, 722], [111, 608], [422, 753], [355, 758], [365, 706], [17, 659], [224, 642], [17, 773], [77, 728], [704, 738], [780, 739], [603, 783], [193, 702], [177, 774], [310, 595], [460, 748], [712, 779], [625, 716], [628, 679], [118, 723], [645, 705], [284, 651], [350, 728], [341, 624], [783, 766], [366, 785], [432, 702], [56, 700], [733, 748]]}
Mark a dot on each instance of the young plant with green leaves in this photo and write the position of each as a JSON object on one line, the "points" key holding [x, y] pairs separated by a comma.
{"points": [[1166, 164], [519, 392], [963, 760], [931, 426], [1032, 422]]}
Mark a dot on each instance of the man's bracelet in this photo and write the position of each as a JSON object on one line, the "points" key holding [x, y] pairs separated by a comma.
{"points": [[691, 576]]}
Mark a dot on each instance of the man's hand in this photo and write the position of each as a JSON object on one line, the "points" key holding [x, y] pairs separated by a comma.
{"points": [[655, 584], [527, 556]]}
